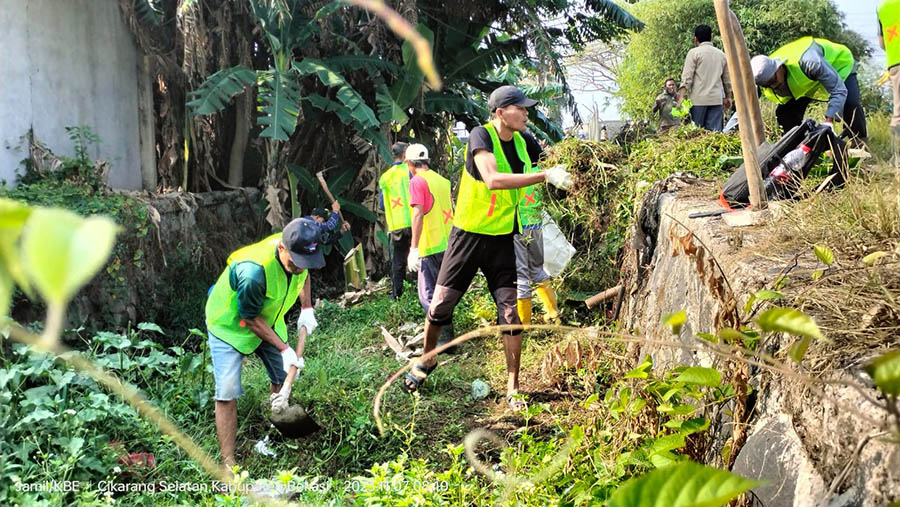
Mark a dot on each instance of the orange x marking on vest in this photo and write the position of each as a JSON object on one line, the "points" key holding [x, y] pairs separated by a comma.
{"points": [[493, 202], [397, 203], [448, 215], [892, 32], [529, 199]]}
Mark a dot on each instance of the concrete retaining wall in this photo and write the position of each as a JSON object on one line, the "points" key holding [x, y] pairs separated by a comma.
{"points": [[67, 63]]}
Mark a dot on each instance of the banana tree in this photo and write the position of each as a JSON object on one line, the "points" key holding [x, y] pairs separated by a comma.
{"points": [[286, 26]]}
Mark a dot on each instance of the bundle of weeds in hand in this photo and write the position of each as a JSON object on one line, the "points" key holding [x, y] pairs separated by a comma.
{"points": [[596, 212]]}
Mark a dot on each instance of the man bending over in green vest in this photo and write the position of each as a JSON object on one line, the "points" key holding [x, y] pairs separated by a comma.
{"points": [[498, 163], [245, 314], [812, 69]]}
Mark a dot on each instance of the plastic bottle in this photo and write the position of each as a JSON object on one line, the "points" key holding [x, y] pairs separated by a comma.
{"points": [[783, 172]]}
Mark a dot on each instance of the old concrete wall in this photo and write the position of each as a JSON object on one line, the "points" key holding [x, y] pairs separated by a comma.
{"points": [[65, 63], [797, 437]]}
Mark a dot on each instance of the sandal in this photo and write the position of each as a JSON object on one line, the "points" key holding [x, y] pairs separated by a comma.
{"points": [[416, 376], [515, 402]]}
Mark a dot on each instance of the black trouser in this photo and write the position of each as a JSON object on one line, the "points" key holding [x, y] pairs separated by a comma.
{"points": [[400, 241], [791, 114]]}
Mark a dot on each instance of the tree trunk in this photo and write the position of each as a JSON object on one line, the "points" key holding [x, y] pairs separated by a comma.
{"points": [[241, 135]]}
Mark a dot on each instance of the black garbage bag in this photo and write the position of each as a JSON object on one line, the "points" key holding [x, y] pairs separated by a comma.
{"points": [[736, 193]]}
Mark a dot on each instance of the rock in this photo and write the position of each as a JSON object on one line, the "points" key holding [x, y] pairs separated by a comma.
{"points": [[480, 390], [774, 453]]}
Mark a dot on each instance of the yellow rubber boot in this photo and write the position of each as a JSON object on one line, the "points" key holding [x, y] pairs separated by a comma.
{"points": [[524, 307], [548, 296]]}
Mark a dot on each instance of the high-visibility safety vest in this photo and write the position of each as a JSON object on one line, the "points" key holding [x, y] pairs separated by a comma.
{"points": [[485, 211], [837, 55], [530, 204], [889, 17], [282, 290], [436, 224], [394, 185]]}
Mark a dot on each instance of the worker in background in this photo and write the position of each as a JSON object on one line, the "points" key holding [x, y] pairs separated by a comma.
{"points": [[812, 69], [499, 156], [394, 185], [432, 219], [330, 225], [665, 102], [705, 78], [245, 313], [529, 247], [889, 40]]}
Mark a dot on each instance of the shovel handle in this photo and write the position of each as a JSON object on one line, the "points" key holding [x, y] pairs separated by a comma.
{"points": [[292, 371]]}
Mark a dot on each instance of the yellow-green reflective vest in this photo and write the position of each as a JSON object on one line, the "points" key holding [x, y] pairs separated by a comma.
{"points": [[837, 55], [436, 224], [394, 185], [530, 204], [889, 17], [485, 211], [282, 289]]}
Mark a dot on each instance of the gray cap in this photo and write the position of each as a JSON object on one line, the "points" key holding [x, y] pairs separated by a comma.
{"points": [[509, 96], [764, 68], [301, 237]]}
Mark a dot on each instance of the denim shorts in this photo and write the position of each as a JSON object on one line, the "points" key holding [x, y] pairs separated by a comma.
{"points": [[227, 363]]}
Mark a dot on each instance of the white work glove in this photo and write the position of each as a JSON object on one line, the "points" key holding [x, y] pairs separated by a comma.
{"points": [[278, 401], [559, 177], [289, 358], [307, 318], [412, 260]]}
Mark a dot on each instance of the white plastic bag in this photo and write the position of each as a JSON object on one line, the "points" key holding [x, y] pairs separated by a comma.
{"points": [[557, 249]]}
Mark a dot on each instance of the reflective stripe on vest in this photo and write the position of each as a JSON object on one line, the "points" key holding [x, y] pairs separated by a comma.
{"points": [[485, 211], [394, 185], [889, 17], [282, 290], [837, 55], [530, 204], [436, 224]]}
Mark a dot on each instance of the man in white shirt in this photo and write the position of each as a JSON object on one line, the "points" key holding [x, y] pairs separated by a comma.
{"points": [[705, 77]]}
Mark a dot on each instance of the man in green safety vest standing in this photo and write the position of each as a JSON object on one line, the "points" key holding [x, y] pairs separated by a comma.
{"points": [[529, 246], [432, 219], [499, 157], [889, 40], [245, 313], [394, 185], [812, 69]]}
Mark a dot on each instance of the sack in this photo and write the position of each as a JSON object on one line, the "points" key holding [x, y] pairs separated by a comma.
{"points": [[557, 249], [736, 193]]}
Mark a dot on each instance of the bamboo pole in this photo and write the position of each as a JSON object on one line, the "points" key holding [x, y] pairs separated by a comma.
{"points": [[744, 101], [603, 296], [759, 129]]}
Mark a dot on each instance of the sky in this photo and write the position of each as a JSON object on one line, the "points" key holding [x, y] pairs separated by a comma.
{"points": [[859, 17]]}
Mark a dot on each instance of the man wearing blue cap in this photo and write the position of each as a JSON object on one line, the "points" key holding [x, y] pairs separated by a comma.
{"points": [[245, 314]]}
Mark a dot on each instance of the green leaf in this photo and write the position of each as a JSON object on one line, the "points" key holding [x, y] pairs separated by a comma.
{"points": [[708, 337], [699, 375], [675, 321], [406, 88], [218, 89], [815, 275], [13, 215], [63, 251], [824, 254], [279, 94], [791, 321], [359, 111], [729, 335], [885, 371], [682, 485], [642, 369], [873, 258], [388, 110], [149, 326], [798, 348], [357, 209]]}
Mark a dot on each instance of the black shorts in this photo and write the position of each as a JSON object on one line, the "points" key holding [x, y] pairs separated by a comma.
{"points": [[469, 251]]}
